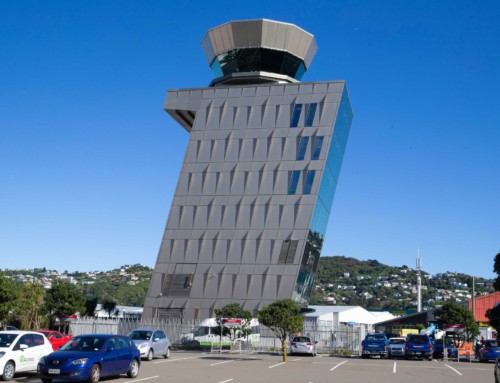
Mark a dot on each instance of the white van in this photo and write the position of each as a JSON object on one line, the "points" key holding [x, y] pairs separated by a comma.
{"points": [[208, 333]]}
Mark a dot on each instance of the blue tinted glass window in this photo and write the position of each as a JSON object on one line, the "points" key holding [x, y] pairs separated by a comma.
{"points": [[300, 71], [216, 68], [301, 149], [310, 114], [316, 149], [308, 181], [297, 108], [294, 181]]}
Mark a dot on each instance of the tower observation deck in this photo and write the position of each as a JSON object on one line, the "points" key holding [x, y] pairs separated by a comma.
{"points": [[258, 51]]}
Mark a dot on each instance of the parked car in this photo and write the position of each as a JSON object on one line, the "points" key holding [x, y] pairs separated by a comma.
{"points": [[439, 345], [20, 352], [151, 342], [90, 357], [375, 344], [396, 347], [55, 338], [489, 351], [418, 346], [303, 345], [8, 328]]}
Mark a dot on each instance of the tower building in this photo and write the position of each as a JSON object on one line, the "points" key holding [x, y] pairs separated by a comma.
{"points": [[252, 202]]}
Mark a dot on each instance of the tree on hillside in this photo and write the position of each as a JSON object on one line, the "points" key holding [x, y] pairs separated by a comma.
{"points": [[453, 313], [64, 299], [109, 306], [496, 269], [283, 317], [493, 316], [28, 308], [234, 311], [8, 296], [90, 305]]}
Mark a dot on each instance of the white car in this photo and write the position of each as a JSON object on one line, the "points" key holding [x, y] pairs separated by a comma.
{"points": [[20, 351]]}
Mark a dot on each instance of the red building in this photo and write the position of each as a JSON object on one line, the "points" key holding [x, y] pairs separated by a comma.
{"points": [[483, 303]]}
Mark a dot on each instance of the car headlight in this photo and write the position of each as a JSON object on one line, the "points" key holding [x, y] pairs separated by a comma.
{"points": [[2, 353], [79, 362], [41, 360], [143, 345]]}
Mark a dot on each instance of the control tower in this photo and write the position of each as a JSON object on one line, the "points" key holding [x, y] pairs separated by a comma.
{"points": [[252, 202]]}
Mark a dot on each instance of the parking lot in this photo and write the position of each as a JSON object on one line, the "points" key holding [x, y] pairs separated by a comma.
{"points": [[193, 367]]}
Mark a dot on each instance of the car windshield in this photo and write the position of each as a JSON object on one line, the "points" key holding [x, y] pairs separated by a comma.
{"points": [[301, 339], [396, 341], [7, 339], [141, 335], [84, 343], [492, 343], [375, 337]]}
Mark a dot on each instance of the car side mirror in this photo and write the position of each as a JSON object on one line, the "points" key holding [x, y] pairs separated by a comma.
{"points": [[23, 346], [156, 339]]}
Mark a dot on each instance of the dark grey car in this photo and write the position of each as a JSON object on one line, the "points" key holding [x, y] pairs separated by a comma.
{"points": [[151, 342]]}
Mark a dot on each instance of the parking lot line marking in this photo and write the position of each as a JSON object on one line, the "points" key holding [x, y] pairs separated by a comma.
{"points": [[394, 368], [453, 369], [276, 365], [226, 361], [174, 359], [225, 381], [338, 365], [138, 380]]}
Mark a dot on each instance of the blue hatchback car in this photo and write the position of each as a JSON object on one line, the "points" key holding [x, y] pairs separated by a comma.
{"points": [[90, 357], [489, 351], [439, 347]]}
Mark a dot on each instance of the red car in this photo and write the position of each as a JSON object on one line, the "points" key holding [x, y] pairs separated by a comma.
{"points": [[55, 338]]}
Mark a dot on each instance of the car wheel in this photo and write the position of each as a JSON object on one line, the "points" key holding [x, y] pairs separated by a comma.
{"points": [[8, 371], [95, 374], [167, 353], [150, 355], [133, 371], [429, 358]]}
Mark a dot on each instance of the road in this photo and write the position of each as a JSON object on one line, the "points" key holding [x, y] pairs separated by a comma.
{"points": [[193, 367]]}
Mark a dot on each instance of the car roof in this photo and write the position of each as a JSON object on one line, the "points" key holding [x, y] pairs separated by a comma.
{"points": [[147, 329], [19, 332], [97, 335]]}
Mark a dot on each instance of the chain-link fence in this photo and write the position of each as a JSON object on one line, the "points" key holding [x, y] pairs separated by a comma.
{"points": [[340, 340]]}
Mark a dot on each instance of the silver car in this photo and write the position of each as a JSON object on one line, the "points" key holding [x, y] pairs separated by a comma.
{"points": [[151, 342], [397, 347], [302, 345]]}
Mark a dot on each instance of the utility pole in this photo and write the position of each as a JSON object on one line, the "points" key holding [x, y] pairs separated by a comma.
{"points": [[419, 285], [474, 298]]}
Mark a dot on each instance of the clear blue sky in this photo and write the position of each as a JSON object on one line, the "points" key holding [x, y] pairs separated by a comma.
{"points": [[89, 160]]}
